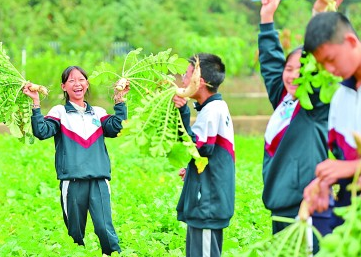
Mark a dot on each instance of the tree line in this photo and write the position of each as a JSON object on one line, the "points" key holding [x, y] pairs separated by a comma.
{"points": [[228, 28]]}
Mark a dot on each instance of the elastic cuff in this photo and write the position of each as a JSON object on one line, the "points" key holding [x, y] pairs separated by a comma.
{"points": [[183, 108], [266, 26], [36, 111]]}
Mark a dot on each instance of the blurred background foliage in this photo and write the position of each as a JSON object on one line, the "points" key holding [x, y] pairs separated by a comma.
{"points": [[43, 37]]}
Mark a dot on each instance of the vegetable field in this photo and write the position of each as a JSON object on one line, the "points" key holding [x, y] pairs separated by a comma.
{"points": [[145, 192]]}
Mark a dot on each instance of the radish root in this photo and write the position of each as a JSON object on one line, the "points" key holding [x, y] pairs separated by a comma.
{"points": [[120, 84], [38, 88], [194, 82]]}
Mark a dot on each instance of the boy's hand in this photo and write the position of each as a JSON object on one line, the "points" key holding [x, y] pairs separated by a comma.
{"points": [[268, 9], [317, 195], [321, 5], [179, 101], [182, 173], [332, 170]]}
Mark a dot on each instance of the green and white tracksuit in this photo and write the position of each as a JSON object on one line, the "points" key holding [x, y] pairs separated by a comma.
{"points": [[207, 200], [82, 165], [295, 140]]}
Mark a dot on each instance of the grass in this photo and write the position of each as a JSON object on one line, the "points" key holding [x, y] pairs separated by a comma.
{"points": [[249, 106], [246, 96], [145, 192]]}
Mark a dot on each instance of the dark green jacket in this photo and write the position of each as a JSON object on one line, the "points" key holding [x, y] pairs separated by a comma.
{"points": [[80, 151], [291, 156], [207, 198]]}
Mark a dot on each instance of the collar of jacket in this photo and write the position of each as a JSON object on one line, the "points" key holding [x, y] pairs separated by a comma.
{"points": [[216, 96], [350, 82], [70, 108]]}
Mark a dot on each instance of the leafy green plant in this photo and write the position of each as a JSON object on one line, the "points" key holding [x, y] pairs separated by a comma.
{"points": [[154, 122], [145, 191], [312, 74], [15, 107]]}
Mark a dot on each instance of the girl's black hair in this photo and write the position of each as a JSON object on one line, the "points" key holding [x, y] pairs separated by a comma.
{"points": [[294, 51], [65, 76]]}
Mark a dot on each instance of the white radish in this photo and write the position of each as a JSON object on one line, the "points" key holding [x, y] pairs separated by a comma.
{"points": [[194, 83]]}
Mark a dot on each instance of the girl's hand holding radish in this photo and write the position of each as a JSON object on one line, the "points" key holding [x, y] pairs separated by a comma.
{"points": [[28, 90], [121, 88]]}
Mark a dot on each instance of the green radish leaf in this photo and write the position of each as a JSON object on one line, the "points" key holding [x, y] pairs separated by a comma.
{"points": [[314, 75], [305, 102], [181, 65], [15, 107], [327, 92], [179, 155], [15, 130]]}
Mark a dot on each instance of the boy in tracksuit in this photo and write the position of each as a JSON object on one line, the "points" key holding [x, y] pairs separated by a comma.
{"points": [[295, 138], [81, 158], [206, 203], [331, 38]]}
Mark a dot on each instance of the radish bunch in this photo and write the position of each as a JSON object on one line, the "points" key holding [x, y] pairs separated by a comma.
{"points": [[15, 107], [154, 123]]}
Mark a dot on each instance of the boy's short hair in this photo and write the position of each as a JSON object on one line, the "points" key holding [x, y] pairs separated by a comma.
{"points": [[327, 27], [212, 69]]}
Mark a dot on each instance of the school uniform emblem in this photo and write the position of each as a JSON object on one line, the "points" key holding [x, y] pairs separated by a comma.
{"points": [[96, 122]]}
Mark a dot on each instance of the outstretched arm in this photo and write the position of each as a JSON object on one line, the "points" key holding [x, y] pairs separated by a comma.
{"points": [[271, 56]]}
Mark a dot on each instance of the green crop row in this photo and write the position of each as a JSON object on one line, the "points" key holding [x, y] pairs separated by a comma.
{"points": [[145, 192]]}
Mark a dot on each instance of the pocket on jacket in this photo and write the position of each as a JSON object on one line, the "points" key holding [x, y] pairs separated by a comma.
{"points": [[195, 196], [60, 164]]}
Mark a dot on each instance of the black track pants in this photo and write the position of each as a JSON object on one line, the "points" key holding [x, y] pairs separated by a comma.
{"points": [[79, 196], [204, 242]]}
